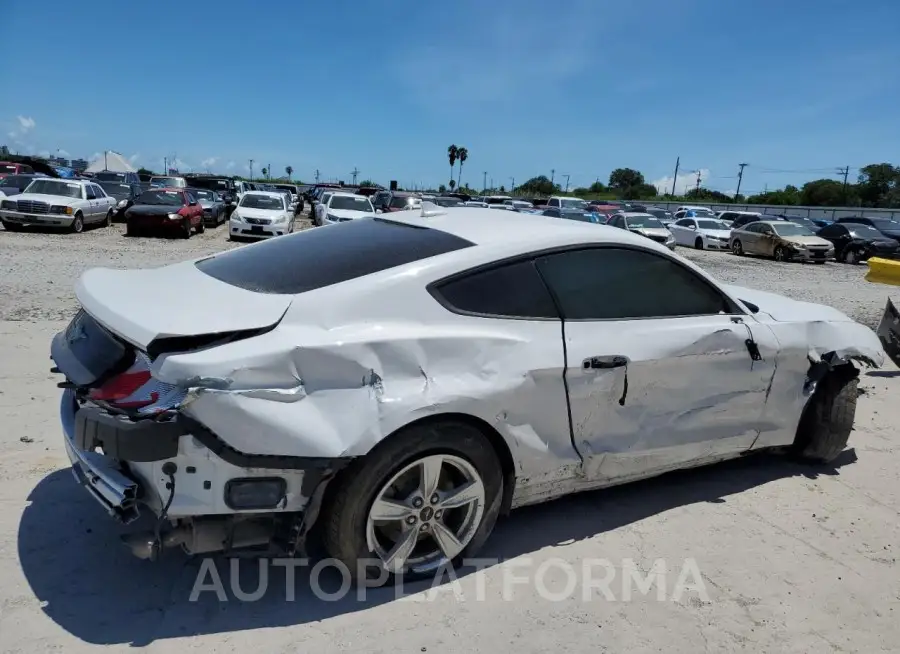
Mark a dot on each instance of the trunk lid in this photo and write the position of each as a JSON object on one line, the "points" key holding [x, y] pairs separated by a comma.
{"points": [[177, 301]]}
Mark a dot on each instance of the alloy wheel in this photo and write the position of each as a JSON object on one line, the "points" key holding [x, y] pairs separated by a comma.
{"points": [[426, 514]]}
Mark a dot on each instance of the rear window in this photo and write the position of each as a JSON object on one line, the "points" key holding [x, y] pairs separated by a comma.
{"points": [[317, 258]]}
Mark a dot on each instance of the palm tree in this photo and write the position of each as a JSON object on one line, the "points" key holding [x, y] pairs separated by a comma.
{"points": [[452, 184], [265, 172], [462, 154], [453, 154], [289, 171]]}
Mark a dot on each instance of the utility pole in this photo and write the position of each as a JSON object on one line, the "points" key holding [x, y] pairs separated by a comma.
{"points": [[251, 170], [165, 165], [512, 181], [740, 177], [845, 171], [567, 183], [552, 175], [105, 163], [269, 171], [317, 175], [484, 183], [675, 178], [355, 172], [698, 180]]}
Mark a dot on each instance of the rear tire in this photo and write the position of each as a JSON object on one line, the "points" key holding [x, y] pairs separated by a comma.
{"points": [[828, 418], [345, 518]]}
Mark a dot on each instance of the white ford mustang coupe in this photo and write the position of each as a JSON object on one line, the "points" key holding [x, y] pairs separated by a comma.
{"points": [[402, 381]]}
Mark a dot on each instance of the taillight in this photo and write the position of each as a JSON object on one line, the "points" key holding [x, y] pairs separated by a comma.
{"points": [[122, 387]]}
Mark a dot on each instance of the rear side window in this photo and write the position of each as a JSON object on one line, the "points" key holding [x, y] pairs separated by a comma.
{"points": [[509, 291], [316, 258]]}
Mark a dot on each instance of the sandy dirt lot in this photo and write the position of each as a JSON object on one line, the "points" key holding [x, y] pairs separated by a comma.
{"points": [[791, 558]]}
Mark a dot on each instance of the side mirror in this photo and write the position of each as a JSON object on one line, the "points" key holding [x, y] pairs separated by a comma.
{"points": [[194, 203]]}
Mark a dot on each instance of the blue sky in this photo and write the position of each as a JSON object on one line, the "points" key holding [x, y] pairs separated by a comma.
{"points": [[579, 86]]}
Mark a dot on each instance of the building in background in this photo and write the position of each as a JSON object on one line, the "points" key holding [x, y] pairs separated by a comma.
{"points": [[79, 165], [4, 151]]}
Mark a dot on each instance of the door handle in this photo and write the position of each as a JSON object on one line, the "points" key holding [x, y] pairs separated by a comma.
{"points": [[604, 362]]}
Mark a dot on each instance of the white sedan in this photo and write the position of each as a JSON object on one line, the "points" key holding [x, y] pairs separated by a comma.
{"points": [[400, 384], [701, 233], [261, 214], [342, 207]]}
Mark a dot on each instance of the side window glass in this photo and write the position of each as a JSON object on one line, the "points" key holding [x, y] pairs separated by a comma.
{"points": [[89, 192], [623, 284], [99, 192], [513, 290], [553, 203]]}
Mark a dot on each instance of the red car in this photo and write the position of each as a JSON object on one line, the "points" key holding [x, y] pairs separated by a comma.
{"points": [[165, 210], [10, 168]]}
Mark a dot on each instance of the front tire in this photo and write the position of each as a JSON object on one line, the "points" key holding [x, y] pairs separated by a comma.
{"points": [[424, 499], [851, 257], [186, 228], [11, 227], [201, 226], [737, 248], [77, 225], [109, 219], [828, 419], [780, 254], [698, 243]]}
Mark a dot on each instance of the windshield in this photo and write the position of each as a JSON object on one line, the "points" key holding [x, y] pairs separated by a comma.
{"points": [[572, 203], [109, 176], [220, 185], [116, 190], [646, 222], [519, 204], [710, 224], [174, 182], [254, 201], [576, 215], [53, 187], [203, 195], [344, 203], [791, 229], [660, 213], [399, 202], [165, 198], [8, 168], [864, 231]]}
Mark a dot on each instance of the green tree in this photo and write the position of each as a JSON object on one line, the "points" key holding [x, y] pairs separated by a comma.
{"points": [[540, 185], [876, 183], [289, 170], [265, 171], [442, 189], [452, 155], [502, 189], [623, 178], [452, 184], [367, 182], [823, 193], [639, 192], [145, 171], [462, 154]]}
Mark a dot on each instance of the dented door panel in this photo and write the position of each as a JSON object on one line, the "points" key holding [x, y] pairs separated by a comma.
{"points": [[690, 390]]}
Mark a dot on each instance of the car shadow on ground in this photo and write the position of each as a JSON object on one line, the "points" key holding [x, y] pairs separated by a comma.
{"points": [[93, 588]]}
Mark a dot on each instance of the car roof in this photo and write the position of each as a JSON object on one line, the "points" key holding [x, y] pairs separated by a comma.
{"points": [[345, 194], [632, 214], [268, 194]]}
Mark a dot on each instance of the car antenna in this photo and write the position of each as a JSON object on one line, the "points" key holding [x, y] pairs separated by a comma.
{"points": [[431, 209]]}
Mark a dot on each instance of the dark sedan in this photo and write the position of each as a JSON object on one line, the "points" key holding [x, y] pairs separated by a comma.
{"points": [[165, 209], [855, 242], [125, 195], [886, 226]]}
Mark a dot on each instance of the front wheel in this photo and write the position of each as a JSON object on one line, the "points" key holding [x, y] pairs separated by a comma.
{"points": [[186, 228], [422, 500], [851, 257], [201, 226], [737, 248], [11, 227], [828, 418], [77, 225], [109, 219], [698, 243], [781, 254]]}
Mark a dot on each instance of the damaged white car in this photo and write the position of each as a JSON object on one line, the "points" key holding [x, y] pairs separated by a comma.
{"points": [[401, 382]]}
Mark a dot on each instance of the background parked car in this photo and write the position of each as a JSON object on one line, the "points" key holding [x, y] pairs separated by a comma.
{"points": [[15, 184], [342, 207], [114, 176], [644, 224], [855, 242], [403, 201], [168, 182], [782, 240], [747, 217], [212, 204], [165, 210], [261, 214], [58, 203], [887, 227], [574, 214], [124, 195], [701, 233], [12, 168]]}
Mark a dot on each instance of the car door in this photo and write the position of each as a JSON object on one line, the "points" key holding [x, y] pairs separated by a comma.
{"points": [[104, 202], [662, 369], [838, 235], [90, 210], [322, 208], [766, 240], [747, 235]]}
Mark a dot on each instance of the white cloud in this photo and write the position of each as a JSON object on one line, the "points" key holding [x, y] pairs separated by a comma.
{"points": [[95, 156], [686, 181], [134, 158], [44, 153], [63, 153], [230, 165], [26, 123], [12, 135], [208, 162], [180, 165]]}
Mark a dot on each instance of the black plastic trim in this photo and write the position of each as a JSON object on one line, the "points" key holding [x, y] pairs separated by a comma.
{"points": [[124, 439], [254, 507]]}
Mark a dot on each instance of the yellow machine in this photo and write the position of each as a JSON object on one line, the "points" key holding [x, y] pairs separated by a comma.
{"points": [[887, 271]]}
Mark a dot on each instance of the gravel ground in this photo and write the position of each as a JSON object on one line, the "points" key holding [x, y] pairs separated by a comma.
{"points": [[791, 558], [38, 270]]}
